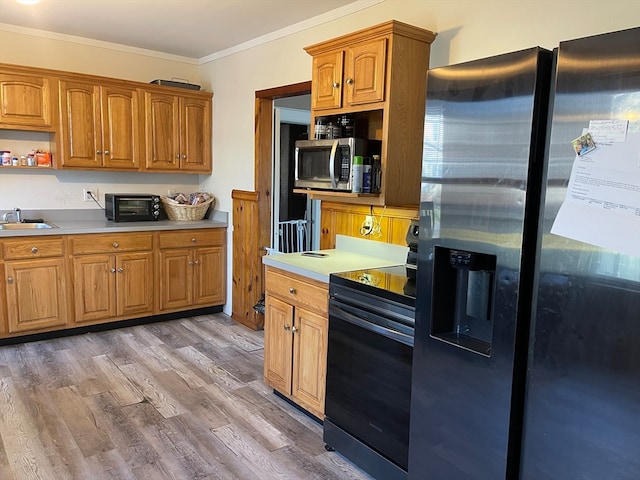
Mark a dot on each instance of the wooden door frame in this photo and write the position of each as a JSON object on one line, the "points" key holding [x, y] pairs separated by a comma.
{"points": [[263, 166]]}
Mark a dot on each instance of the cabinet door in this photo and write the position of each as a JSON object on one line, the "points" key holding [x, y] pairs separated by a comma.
{"points": [[176, 278], [326, 83], [278, 344], [195, 135], [134, 283], [25, 101], [162, 131], [120, 127], [310, 360], [36, 294], [94, 283], [365, 72], [208, 274], [80, 128]]}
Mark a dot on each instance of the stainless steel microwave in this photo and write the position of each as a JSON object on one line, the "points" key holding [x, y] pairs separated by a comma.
{"points": [[132, 207], [326, 164]]}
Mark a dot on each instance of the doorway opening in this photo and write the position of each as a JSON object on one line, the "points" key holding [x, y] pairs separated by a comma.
{"points": [[295, 218]]}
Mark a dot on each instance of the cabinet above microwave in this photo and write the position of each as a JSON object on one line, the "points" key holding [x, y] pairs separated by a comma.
{"points": [[390, 61]]}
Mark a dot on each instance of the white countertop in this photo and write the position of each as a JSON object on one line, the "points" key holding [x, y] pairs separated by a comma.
{"points": [[351, 253]]}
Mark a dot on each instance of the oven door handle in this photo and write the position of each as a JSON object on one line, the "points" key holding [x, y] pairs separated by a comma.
{"points": [[341, 314]]}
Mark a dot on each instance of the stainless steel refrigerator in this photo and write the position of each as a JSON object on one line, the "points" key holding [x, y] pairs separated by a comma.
{"points": [[527, 341]]}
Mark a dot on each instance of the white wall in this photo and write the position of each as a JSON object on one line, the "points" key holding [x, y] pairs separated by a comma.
{"points": [[467, 29]]}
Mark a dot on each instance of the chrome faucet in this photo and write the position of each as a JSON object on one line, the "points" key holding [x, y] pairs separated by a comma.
{"points": [[16, 214]]}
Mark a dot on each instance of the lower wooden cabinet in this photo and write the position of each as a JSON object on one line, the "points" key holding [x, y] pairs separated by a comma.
{"points": [[295, 338], [112, 276], [35, 284], [192, 266], [56, 282]]}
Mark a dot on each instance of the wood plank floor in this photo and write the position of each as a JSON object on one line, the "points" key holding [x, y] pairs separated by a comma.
{"points": [[182, 399]]}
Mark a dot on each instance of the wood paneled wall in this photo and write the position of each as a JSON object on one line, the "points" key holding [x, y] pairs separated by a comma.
{"points": [[346, 219], [247, 288]]}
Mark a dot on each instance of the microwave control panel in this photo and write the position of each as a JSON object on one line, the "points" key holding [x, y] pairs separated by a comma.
{"points": [[345, 170]]}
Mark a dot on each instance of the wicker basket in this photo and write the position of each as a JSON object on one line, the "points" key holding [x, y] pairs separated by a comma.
{"points": [[186, 212]]}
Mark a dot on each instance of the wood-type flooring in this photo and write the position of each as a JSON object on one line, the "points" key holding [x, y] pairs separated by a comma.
{"points": [[182, 400]]}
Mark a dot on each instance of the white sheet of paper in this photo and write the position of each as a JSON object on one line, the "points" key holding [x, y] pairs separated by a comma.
{"points": [[602, 204], [608, 131]]}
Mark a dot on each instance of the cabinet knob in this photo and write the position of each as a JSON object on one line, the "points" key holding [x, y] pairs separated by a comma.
{"points": [[287, 327], [292, 291], [177, 156], [194, 240], [184, 156], [9, 279], [34, 250], [349, 81], [197, 262], [120, 270], [116, 244], [98, 152], [335, 85], [106, 152], [294, 329], [113, 270], [190, 264]]}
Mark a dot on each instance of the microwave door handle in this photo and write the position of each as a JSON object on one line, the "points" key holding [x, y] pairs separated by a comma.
{"points": [[332, 162]]}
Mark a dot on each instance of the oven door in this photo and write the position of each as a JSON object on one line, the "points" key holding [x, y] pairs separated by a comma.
{"points": [[369, 361]]}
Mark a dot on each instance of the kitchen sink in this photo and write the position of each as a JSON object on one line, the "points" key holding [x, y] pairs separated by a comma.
{"points": [[25, 226]]}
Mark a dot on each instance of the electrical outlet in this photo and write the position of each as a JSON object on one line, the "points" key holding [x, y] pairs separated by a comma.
{"points": [[368, 221], [87, 192]]}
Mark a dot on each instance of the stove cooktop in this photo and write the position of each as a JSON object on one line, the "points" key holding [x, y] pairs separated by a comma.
{"points": [[393, 283]]}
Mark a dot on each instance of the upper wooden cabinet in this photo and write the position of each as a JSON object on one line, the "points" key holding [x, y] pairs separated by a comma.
{"points": [[99, 126], [26, 101], [355, 73], [109, 124], [378, 76], [177, 133]]}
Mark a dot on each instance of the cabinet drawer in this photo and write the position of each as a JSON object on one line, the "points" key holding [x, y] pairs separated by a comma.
{"points": [[36, 247], [192, 238], [296, 291], [82, 244]]}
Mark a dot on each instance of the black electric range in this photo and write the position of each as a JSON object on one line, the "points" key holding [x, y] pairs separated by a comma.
{"points": [[396, 283], [369, 359]]}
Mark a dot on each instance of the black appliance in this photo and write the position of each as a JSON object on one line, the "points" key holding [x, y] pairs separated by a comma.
{"points": [[370, 350], [133, 207], [526, 359]]}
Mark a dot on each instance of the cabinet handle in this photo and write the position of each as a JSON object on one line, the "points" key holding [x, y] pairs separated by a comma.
{"points": [[197, 262], [120, 270], [98, 152], [177, 156], [113, 270], [292, 291], [116, 244], [184, 156], [10, 280], [335, 85], [287, 327], [294, 329], [106, 152], [194, 240], [34, 250], [349, 81]]}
